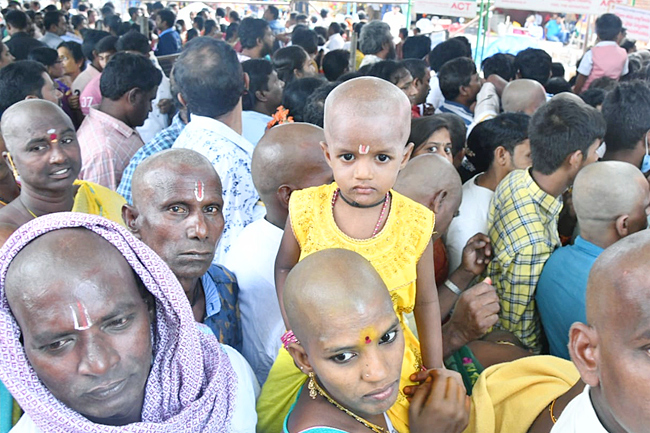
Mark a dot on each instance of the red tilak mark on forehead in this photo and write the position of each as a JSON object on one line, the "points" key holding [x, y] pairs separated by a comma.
{"points": [[198, 191], [83, 316], [53, 137], [368, 340], [364, 149]]}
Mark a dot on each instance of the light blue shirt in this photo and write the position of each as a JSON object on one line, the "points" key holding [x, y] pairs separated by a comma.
{"points": [[254, 125], [457, 109], [230, 154], [561, 292]]}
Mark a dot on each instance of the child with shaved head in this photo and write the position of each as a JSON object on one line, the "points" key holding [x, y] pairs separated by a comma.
{"points": [[351, 347], [366, 130]]}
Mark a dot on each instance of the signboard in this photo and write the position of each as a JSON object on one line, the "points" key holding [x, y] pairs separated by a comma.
{"points": [[637, 21], [596, 7], [452, 8]]}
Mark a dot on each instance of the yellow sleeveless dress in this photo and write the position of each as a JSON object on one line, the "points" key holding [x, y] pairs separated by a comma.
{"points": [[394, 252]]}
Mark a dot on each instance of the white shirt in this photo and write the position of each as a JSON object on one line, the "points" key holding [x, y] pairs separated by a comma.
{"points": [[579, 416], [435, 96], [254, 125], [587, 62], [156, 121], [252, 260], [369, 59], [244, 418], [242, 57], [472, 219], [335, 42], [230, 154]]}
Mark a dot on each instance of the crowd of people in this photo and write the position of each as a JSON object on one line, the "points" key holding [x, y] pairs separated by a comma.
{"points": [[252, 225]]}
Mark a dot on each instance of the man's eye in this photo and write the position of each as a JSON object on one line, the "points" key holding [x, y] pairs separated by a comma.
{"points": [[343, 357], [176, 209], [56, 346], [212, 209], [347, 157], [388, 337], [67, 140], [383, 158], [119, 323]]}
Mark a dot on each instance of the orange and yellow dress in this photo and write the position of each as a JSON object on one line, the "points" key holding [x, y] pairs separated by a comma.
{"points": [[394, 252]]}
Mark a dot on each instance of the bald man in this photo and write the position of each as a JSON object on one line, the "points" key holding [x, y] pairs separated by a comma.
{"points": [[523, 96], [339, 308], [286, 159], [610, 350], [611, 200], [177, 212]]}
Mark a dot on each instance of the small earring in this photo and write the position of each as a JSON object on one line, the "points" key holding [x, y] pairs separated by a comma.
{"points": [[312, 386]]}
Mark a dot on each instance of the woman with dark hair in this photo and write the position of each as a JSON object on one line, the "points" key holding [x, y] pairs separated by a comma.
{"points": [[293, 62], [49, 58], [397, 74], [72, 59], [431, 134], [5, 56], [191, 34]]}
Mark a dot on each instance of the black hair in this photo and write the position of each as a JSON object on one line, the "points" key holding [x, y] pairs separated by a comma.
{"points": [[191, 34], [221, 12], [500, 64], [106, 44], [335, 27], [557, 70], [259, 71], [556, 85], [608, 27], [210, 25], [297, 93], [209, 77], [50, 8], [107, 11], [561, 127], [158, 5], [44, 55], [199, 21], [301, 17], [416, 47], [605, 83], [306, 38], [133, 11], [77, 20], [388, 70], [250, 30], [507, 130], [628, 44], [234, 16], [457, 132], [133, 41], [314, 112], [335, 63], [449, 50], [321, 33], [113, 23], [82, 7], [423, 127], [405, 32], [19, 80], [91, 39], [75, 50], [627, 112], [51, 19], [323, 13], [16, 19], [287, 59], [167, 16], [417, 68], [593, 96], [126, 71], [534, 64], [454, 74], [275, 13]]}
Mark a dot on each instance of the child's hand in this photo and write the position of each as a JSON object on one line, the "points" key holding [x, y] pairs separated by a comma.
{"points": [[73, 101], [439, 404], [477, 254]]}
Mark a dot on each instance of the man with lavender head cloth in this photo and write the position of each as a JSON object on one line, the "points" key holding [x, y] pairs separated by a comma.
{"points": [[109, 343]]}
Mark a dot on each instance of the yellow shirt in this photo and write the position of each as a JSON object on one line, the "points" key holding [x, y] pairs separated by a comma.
{"points": [[95, 199], [394, 252]]}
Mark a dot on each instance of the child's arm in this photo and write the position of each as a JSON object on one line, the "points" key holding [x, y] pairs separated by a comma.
{"points": [[427, 311], [580, 82], [287, 257]]}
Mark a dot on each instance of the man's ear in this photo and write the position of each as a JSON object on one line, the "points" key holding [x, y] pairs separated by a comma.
{"points": [[247, 81], [326, 152], [575, 160], [300, 357], [181, 99], [260, 95], [438, 200], [31, 97], [133, 95], [583, 348], [502, 156], [284, 194], [622, 226], [406, 156], [130, 215]]}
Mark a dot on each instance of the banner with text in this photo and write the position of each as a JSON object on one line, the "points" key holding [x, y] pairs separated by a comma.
{"points": [[452, 8], [596, 7], [637, 21]]}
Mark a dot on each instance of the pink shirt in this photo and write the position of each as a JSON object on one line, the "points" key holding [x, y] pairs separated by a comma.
{"points": [[91, 95], [107, 145]]}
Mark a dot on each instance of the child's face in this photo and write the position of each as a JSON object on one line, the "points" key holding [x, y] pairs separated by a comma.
{"points": [[366, 161]]}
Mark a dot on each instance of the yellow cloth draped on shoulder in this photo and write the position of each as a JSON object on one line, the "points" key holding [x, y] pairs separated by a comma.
{"points": [[508, 397], [394, 252], [95, 199]]}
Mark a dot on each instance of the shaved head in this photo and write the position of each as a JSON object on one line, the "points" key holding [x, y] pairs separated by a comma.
{"points": [[329, 284], [432, 181], [606, 190], [367, 103], [154, 171], [523, 96], [23, 118]]}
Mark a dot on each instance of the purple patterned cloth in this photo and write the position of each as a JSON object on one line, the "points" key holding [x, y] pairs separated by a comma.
{"points": [[191, 386]]}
